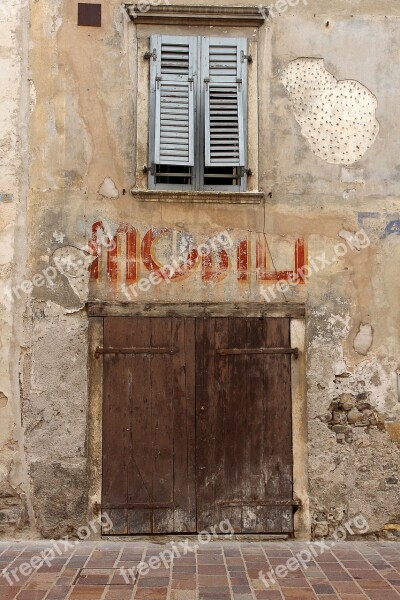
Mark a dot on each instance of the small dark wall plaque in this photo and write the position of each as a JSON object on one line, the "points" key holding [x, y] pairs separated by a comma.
{"points": [[89, 15]]}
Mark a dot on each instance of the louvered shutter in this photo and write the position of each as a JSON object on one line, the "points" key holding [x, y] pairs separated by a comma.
{"points": [[224, 74], [172, 77]]}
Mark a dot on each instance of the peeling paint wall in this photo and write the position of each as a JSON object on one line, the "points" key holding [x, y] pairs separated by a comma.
{"points": [[85, 236], [16, 515]]}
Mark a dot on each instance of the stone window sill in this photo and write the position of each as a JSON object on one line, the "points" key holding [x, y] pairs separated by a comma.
{"points": [[172, 196]]}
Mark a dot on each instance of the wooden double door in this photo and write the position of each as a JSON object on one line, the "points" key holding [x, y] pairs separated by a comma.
{"points": [[197, 424]]}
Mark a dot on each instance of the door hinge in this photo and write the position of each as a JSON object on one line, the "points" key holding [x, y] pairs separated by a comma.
{"points": [[242, 171]]}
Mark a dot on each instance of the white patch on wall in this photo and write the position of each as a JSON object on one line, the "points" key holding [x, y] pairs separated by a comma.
{"points": [[108, 189], [363, 340], [336, 117], [59, 236], [347, 194], [6, 244], [53, 20], [338, 324], [350, 238], [32, 95], [74, 264], [352, 175]]}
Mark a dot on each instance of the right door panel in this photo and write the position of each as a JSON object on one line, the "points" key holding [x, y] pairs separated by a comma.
{"points": [[244, 464]]}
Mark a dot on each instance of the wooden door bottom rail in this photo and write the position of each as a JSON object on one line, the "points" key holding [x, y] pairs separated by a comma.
{"points": [[229, 351], [100, 351]]}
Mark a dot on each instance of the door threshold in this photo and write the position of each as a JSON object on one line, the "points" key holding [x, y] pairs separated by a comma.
{"points": [[161, 538]]}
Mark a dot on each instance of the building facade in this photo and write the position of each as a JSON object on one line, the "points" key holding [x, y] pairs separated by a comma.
{"points": [[200, 244]]}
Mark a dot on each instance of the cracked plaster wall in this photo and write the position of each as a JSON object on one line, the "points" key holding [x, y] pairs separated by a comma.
{"points": [[82, 163]]}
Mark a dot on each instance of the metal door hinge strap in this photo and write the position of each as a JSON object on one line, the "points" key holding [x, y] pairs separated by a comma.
{"points": [[228, 351], [133, 505], [100, 351], [259, 503]]}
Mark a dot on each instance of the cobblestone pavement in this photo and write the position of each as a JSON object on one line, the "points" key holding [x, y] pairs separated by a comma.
{"points": [[218, 571]]}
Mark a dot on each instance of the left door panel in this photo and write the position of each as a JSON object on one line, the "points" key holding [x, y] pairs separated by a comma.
{"points": [[149, 425]]}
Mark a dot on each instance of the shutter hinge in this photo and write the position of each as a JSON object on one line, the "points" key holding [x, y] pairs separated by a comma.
{"points": [[244, 57], [147, 55], [151, 169], [239, 82], [242, 171], [206, 81], [191, 80], [158, 79]]}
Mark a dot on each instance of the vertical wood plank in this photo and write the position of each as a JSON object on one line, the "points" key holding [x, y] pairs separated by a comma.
{"points": [[95, 392], [140, 451], [162, 424], [183, 369], [115, 422], [278, 441], [205, 422], [235, 416]]}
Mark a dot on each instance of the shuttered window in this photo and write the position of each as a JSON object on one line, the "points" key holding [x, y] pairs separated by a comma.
{"points": [[174, 108], [198, 106], [223, 113]]}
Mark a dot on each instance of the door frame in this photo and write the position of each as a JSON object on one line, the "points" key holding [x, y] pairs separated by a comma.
{"points": [[296, 312]]}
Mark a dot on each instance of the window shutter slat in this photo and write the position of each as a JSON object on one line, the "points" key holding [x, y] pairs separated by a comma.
{"points": [[225, 85], [172, 77]]}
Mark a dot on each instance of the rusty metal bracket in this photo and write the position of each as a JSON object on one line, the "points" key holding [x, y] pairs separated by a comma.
{"points": [[151, 169], [233, 503], [100, 351], [238, 351], [148, 55], [138, 505], [244, 57]]}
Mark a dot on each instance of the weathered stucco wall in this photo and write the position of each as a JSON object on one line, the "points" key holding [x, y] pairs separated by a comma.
{"points": [[16, 515], [88, 144], [353, 456]]}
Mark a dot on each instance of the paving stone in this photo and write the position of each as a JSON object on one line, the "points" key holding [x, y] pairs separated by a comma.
{"points": [[352, 571]]}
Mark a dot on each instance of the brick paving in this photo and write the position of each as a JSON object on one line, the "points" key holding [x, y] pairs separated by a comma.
{"points": [[217, 571]]}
